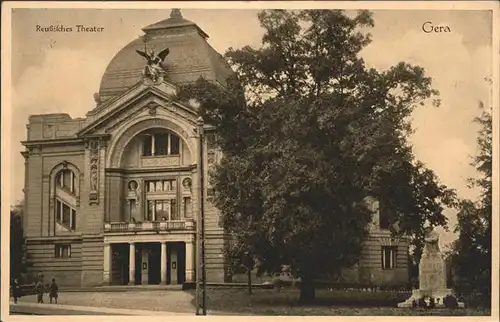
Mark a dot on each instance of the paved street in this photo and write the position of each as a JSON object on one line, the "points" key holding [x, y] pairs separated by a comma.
{"points": [[167, 301]]}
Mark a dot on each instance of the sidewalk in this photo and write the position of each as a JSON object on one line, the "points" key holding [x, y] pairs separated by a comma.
{"points": [[122, 288], [58, 309]]}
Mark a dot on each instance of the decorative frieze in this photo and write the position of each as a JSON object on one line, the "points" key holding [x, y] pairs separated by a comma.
{"points": [[94, 147], [167, 161]]}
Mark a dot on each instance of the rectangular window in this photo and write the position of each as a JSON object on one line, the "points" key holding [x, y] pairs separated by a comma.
{"points": [[73, 182], [161, 144], [58, 211], [151, 210], [162, 212], [73, 219], [62, 251], [173, 210], [174, 144], [389, 256], [66, 212], [61, 179], [147, 144], [68, 180]]}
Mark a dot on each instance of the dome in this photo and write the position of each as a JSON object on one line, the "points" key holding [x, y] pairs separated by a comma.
{"points": [[190, 57]]}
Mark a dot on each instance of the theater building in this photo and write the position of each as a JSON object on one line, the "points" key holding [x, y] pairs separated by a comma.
{"points": [[112, 198]]}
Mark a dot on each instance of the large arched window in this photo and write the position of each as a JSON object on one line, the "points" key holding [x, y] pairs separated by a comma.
{"points": [[66, 180], [160, 143], [66, 200]]}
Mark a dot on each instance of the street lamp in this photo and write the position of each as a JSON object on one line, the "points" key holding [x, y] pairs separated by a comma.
{"points": [[201, 273]]}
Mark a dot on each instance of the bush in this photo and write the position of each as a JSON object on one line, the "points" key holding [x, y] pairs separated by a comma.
{"points": [[477, 300], [450, 302], [426, 302], [421, 302]]}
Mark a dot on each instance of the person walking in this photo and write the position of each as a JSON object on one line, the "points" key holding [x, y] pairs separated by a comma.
{"points": [[39, 290], [16, 290], [53, 291]]}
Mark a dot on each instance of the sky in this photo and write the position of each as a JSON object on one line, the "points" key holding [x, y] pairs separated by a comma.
{"points": [[59, 72]]}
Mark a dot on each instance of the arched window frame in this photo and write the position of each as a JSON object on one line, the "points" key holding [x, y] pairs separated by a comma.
{"points": [[151, 144], [76, 179]]}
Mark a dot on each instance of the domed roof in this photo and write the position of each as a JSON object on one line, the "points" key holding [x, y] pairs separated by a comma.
{"points": [[190, 57]]}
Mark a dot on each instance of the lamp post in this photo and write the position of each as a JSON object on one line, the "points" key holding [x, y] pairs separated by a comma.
{"points": [[201, 273]]}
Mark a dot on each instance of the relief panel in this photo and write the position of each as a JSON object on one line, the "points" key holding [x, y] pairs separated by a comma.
{"points": [[166, 161]]}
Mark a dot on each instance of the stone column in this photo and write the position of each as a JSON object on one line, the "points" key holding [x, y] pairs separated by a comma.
{"points": [[131, 264], [107, 266], [190, 260], [163, 266]]}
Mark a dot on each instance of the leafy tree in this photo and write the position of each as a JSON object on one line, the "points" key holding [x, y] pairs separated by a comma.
{"points": [[308, 132], [16, 243], [474, 221]]}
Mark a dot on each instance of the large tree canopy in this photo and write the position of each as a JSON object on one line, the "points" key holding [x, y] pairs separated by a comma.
{"points": [[474, 221], [308, 131]]}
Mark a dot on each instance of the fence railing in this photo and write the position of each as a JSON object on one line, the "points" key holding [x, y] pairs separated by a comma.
{"points": [[149, 226]]}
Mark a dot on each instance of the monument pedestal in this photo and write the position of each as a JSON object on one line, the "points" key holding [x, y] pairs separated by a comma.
{"points": [[438, 296], [432, 274]]}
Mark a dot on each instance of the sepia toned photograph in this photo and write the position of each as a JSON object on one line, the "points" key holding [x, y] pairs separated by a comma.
{"points": [[314, 160]]}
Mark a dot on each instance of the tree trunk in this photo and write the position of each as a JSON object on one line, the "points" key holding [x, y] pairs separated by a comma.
{"points": [[307, 290]]}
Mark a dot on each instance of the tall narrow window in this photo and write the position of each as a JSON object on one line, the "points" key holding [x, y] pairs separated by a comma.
{"points": [[166, 185], [59, 211], [72, 187], [174, 144], [151, 210], [66, 210], [73, 219], [147, 146], [161, 144], [389, 256], [173, 210]]}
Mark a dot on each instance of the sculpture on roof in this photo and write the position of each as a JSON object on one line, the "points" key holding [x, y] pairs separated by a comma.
{"points": [[153, 68]]}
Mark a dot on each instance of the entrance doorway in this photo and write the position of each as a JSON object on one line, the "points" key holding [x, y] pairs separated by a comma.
{"points": [[148, 263], [154, 263], [120, 264], [176, 263]]}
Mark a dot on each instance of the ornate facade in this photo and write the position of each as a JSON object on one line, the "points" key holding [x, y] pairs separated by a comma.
{"points": [[112, 198]]}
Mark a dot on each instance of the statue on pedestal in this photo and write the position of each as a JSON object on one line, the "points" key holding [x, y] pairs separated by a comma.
{"points": [[432, 272], [153, 69]]}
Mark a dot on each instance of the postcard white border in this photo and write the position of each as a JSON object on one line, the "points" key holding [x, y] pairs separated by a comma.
{"points": [[372, 5]]}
